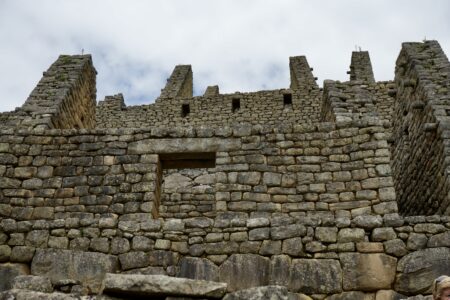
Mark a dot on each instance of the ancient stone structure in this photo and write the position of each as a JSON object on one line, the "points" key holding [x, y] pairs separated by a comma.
{"points": [[297, 193]]}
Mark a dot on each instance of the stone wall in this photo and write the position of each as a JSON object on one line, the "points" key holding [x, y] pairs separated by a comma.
{"points": [[176, 106], [421, 124], [286, 191], [265, 107], [361, 67], [63, 98], [347, 101], [300, 169]]}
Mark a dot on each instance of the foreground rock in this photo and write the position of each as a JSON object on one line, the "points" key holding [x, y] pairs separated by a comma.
{"points": [[32, 283], [33, 295], [307, 273], [242, 271], [160, 285], [352, 296], [367, 272], [419, 269], [10, 271], [272, 292], [89, 268]]}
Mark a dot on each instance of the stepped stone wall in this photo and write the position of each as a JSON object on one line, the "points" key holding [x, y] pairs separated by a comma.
{"points": [[421, 129], [299, 104], [296, 193], [63, 98]]}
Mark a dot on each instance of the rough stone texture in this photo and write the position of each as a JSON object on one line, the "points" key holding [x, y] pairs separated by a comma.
{"points": [[306, 273], [87, 267], [352, 296], [198, 268], [243, 271], [160, 285], [388, 295], [272, 292], [367, 272], [32, 295], [420, 135], [32, 283], [8, 272], [418, 270]]}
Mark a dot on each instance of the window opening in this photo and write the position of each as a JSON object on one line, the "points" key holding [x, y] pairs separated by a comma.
{"points": [[287, 99], [236, 104], [185, 110]]}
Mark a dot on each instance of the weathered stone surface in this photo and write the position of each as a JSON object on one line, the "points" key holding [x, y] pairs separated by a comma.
{"points": [[351, 296], [32, 295], [272, 292], [417, 241], [351, 235], [305, 274], [417, 270], [388, 295], [87, 267], [395, 247], [32, 283], [184, 145], [198, 268], [293, 247], [326, 234], [5, 253], [439, 240], [368, 222], [160, 285], [367, 272], [133, 260], [279, 270], [383, 234], [289, 231], [22, 254], [243, 271], [8, 272], [163, 258]]}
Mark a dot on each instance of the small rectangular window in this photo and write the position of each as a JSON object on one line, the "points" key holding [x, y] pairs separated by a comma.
{"points": [[287, 99], [188, 160], [236, 104], [185, 110]]}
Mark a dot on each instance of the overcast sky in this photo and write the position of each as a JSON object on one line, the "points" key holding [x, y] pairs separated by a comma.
{"points": [[241, 45]]}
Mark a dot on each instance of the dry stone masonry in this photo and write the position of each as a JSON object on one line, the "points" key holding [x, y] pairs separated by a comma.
{"points": [[297, 193]]}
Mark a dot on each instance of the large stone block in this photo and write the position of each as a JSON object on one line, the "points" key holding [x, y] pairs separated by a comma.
{"points": [[315, 276], [242, 271], [279, 270], [33, 295], [417, 270], [352, 296], [159, 285], [367, 272], [272, 292], [184, 145], [388, 295], [8, 272], [87, 267], [198, 268], [33, 283]]}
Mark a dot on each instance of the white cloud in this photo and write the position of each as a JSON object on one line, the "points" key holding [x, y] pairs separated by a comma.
{"points": [[242, 45]]}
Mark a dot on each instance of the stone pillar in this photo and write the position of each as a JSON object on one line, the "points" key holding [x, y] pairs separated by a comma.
{"points": [[180, 83], [65, 97], [361, 67], [211, 91], [301, 74]]}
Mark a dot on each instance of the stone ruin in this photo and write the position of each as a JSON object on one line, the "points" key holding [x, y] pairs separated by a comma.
{"points": [[340, 192]]}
